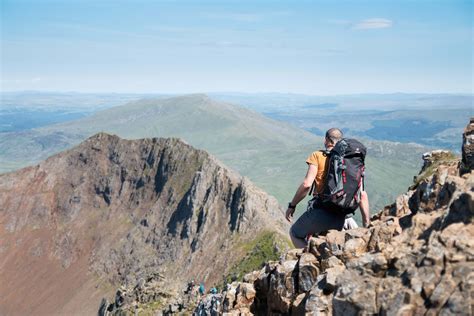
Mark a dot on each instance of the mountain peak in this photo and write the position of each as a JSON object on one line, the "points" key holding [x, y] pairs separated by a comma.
{"points": [[196, 97], [112, 211], [202, 96], [103, 137], [109, 139]]}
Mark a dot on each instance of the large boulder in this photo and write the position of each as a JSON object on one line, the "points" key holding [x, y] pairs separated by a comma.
{"points": [[282, 287], [307, 272], [356, 294]]}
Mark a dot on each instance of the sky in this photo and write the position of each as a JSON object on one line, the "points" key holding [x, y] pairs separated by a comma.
{"points": [[310, 47]]}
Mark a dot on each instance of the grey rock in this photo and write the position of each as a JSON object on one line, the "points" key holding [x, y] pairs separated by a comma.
{"points": [[307, 272]]}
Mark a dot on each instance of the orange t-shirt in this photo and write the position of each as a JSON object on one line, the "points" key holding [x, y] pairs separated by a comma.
{"points": [[318, 158]]}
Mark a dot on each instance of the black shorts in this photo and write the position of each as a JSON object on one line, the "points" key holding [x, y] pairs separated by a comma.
{"points": [[316, 220]]}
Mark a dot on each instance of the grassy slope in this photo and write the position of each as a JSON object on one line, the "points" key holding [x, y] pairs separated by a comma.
{"points": [[264, 247], [270, 153]]}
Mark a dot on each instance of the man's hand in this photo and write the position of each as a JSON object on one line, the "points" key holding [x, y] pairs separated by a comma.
{"points": [[289, 214]]}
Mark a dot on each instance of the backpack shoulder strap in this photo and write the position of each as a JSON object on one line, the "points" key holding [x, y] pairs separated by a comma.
{"points": [[325, 152]]}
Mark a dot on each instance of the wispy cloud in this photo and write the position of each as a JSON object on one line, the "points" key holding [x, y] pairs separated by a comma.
{"points": [[373, 23]]}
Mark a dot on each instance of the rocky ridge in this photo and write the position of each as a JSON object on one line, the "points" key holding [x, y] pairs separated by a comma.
{"points": [[416, 258], [110, 211]]}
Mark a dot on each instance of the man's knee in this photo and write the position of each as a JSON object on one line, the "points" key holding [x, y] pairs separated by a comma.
{"points": [[298, 242], [295, 233], [292, 232]]}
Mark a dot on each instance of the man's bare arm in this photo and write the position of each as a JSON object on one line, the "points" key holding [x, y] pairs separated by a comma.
{"points": [[364, 208], [303, 189]]}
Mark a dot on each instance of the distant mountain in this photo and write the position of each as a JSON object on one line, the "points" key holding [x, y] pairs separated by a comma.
{"points": [[216, 126], [269, 152], [113, 211], [434, 120]]}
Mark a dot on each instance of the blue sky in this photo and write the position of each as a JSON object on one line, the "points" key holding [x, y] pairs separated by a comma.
{"points": [[311, 47]]}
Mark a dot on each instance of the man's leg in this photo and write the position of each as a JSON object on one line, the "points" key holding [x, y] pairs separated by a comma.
{"points": [[297, 241], [314, 222]]}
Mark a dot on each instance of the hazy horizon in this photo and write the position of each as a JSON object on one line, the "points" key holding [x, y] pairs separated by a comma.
{"points": [[171, 94]]}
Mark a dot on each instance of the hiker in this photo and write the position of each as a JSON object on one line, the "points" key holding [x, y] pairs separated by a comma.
{"points": [[202, 289], [320, 215], [190, 287], [215, 306]]}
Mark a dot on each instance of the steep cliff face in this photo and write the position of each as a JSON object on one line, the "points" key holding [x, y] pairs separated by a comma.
{"points": [[113, 211], [417, 258]]}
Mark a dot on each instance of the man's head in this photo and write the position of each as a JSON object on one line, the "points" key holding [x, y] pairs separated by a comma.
{"points": [[333, 135]]}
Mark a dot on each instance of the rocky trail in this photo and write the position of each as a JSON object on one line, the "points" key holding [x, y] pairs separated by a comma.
{"points": [[416, 258]]}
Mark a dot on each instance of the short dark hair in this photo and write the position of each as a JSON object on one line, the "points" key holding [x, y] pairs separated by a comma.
{"points": [[334, 135]]}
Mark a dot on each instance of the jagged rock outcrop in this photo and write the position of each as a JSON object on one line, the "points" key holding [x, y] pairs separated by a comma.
{"points": [[113, 212], [416, 258]]}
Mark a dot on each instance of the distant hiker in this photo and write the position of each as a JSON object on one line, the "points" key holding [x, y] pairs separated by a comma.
{"points": [[213, 290], [190, 287], [337, 179], [215, 306], [202, 290]]}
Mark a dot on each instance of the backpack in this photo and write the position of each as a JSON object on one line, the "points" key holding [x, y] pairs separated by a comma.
{"points": [[344, 177]]}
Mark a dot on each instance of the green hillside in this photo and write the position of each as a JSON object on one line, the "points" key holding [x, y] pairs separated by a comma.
{"points": [[271, 153], [218, 127], [434, 120]]}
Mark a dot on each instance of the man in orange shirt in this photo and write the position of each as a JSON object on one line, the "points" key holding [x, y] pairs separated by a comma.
{"points": [[317, 220]]}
